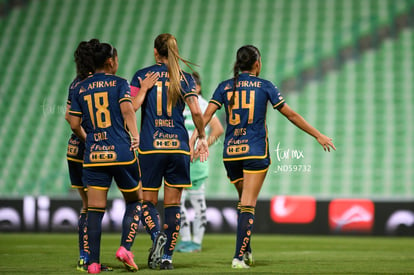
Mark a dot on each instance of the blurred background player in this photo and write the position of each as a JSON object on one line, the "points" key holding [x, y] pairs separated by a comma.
{"points": [[198, 173], [164, 151], [102, 115], [246, 151]]}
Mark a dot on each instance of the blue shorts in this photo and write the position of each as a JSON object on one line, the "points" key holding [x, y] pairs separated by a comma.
{"points": [[174, 168], [235, 169], [75, 174], [126, 176]]}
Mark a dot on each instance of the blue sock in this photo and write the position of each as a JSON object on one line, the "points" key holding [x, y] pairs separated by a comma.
{"points": [[94, 232], [83, 254], [150, 219], [248, 249], [130, 224], [244, 230], [172, 228]]}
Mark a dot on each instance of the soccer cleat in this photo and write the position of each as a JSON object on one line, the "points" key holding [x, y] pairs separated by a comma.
{"points": [[196, 247], [106, 268], [127, 258], [189, 247], [156, 251], [248, 258], [166, 264], [94, 268], [236, 263], [82, 265], [183, 246]]}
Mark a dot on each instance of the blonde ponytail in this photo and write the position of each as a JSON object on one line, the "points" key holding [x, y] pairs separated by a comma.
{"points": [[174, 72], [166, 45]]}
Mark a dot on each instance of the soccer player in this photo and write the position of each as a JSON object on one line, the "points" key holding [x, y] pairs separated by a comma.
{"points": [[198, 173], [102, 115], [75, 151], [246, 151], [164, 151]]}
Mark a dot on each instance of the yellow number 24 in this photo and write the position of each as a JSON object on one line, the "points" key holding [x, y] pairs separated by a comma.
{"points": [[234, 119]]}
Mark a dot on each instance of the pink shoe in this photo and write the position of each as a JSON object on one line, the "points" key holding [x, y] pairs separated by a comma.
{"points": [[94, 268], [127, 258]]}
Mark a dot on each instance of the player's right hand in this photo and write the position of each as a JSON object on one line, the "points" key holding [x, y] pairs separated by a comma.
{"points": [[134, 143], [202, 149]]}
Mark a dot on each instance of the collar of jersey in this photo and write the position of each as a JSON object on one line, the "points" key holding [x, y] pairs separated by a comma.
{"points": [[250, 74]]}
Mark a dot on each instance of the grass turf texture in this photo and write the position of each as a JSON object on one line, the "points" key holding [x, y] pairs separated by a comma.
{"points": [[57, 254]]}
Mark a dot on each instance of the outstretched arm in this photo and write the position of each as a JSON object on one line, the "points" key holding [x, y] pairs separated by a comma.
{"points": [[301, 123]]}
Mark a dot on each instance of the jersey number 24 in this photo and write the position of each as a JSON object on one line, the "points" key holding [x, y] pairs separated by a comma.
{"points": [[234, 119]]}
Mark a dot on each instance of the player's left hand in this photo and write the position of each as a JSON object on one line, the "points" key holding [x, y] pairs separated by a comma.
{"points": [[149, 80], [326, 142], [202, 149]]}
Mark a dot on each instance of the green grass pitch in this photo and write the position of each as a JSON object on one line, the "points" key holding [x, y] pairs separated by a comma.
{"points": [[277, 254]]}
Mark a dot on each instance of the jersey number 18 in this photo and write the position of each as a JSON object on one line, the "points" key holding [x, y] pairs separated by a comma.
{"points": [[102, 115]]}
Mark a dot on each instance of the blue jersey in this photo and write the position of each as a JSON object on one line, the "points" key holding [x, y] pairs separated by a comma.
{"points": [[162, 126], [246, 132], [76, 147], [97, 101]]}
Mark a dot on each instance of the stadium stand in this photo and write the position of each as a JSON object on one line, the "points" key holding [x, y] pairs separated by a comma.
{"points": [[345, 65]]}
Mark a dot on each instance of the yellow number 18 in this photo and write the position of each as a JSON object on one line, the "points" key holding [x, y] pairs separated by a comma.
{"points": [[102, 115]]}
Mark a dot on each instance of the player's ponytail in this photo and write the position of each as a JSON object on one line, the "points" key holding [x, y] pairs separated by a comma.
{"points": [[236, 69], [245, 58], [84, 60], [174, 72], [101, 52], [166, 45]]}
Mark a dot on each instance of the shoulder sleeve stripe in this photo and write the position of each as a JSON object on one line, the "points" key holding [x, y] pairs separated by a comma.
{"points": [[125, 99], [190, 94], [215, 102], [75, 113], [279, 104]]}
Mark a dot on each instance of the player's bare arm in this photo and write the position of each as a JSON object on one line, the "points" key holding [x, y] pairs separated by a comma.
{"points": [[128, 114], [197, 115], [301, 123], [75, 124]]}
